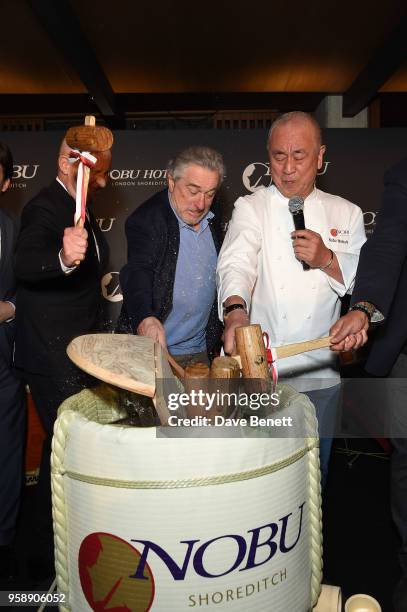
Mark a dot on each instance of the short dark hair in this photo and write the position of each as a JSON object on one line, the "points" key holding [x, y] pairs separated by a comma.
{"points": [[6, 161]]}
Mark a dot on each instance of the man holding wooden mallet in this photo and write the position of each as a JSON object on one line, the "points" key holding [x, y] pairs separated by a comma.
{"points": [[289, 255], [60, 259]]}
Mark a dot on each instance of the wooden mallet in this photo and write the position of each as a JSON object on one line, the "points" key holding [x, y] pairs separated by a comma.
{"points": [[252, 356], [89, 137], [85, 140], [138, 364]]}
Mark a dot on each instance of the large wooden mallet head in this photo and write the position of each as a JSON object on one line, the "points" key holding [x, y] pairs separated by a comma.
{"points": [[89, 137], [86, 139]]}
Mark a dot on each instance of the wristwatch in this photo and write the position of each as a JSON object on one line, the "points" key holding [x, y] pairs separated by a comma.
{"points": [[231, 307], [370, 310]]}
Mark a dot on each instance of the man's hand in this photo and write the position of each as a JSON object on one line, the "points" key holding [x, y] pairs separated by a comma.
{"points": [[6, 311], [74, 245], [234, 319], [309, 247], [350, 331], [153, 328]]}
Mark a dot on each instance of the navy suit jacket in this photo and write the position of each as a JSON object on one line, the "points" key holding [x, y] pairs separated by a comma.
{"points": [[382, 272], [147, 280], [7, 284], [53, 307]]}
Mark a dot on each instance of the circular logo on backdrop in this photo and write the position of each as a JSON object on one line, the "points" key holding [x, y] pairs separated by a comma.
{"points": [[106, 564], [256, 175], [334, 232], [111, 287]]}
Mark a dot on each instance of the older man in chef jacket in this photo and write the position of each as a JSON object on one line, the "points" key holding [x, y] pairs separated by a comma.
{"points": [[261, 277]]}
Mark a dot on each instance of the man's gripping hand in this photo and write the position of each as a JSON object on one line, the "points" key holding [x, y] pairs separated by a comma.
{"points": [[6, 311], [309, 247], [153, 328], [74, 245], [236, 318], [349, 332]]}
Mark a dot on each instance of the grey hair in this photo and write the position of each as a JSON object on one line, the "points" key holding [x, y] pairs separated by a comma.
{"points": [[296, 116], [201, 156]]}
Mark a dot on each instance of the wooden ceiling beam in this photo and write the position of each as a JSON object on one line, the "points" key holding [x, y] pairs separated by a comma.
{"points": [[63, 28], [52, 105], [178, 102], [383, 64]]}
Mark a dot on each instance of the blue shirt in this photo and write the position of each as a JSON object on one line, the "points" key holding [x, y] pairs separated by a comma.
{"points": [[194, 289]]}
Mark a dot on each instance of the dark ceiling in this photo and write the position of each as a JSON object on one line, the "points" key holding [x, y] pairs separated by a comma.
{"points": [[121, 58]]}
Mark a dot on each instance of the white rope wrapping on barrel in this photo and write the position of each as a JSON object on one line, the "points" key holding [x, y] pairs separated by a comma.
{"points": [[315, 514], [194, 482], [99, 405], [58, 503], [315, 509]]}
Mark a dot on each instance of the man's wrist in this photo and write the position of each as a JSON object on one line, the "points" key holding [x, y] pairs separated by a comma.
{"points": [[65, 269], [373, 314], [330, 262], [362, 308], [227, 310]]}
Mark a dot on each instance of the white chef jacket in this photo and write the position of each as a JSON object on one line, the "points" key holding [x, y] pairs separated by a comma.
{"points": [[257, 262]]}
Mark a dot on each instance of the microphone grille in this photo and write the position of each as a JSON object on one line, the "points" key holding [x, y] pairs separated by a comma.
{"points": [[295, 204]]}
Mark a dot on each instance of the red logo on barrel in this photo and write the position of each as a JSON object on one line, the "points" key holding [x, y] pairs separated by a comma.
{"points": [[106, 568]]}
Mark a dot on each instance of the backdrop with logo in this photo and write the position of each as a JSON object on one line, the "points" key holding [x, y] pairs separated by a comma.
{"points": [[354, 165]]}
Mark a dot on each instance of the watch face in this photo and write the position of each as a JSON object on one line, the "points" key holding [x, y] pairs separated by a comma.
{"points": [[374, 314], [377, 316]]}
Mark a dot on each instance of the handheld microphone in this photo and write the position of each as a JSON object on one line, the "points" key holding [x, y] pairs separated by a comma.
{"points": [[296, 208]]}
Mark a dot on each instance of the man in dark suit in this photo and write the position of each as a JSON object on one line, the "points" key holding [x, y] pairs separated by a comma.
{"points": [[12, 409], [59, 267], [168, 283], [380, 296]]}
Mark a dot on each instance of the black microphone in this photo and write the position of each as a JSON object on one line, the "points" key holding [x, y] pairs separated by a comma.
{"points": [[296, 208]]}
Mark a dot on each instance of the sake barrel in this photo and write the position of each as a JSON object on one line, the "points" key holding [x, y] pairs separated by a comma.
{"points": [[145, 522]]}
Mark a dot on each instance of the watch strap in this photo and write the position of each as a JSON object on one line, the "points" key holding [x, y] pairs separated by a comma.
{"points": [[228, 309], [362, 308]]}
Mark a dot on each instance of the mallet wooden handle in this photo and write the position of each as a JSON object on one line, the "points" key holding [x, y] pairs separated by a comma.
{"points": [[79, 223], [90, 120], [296, 348], [288, 350]]}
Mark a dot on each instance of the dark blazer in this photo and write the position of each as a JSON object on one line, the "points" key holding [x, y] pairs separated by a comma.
{"points": [[12, 405], [53, 307], [382, 272], [8, 235], [147, 280]]}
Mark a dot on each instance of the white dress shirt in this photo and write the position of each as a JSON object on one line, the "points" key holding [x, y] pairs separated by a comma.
{"points": [[257, 262]]}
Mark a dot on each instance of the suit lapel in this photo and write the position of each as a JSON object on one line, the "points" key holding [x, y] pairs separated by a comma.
{"points": [[67, 206]]}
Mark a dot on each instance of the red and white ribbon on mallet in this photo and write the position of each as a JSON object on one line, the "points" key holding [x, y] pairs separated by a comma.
{"points": [[271, 359], [86, 162]]}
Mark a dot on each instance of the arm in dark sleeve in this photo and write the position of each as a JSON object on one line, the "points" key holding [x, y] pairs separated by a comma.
{"points": [[9, 293], [144, 241], [383, 255], [38, 245]]}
